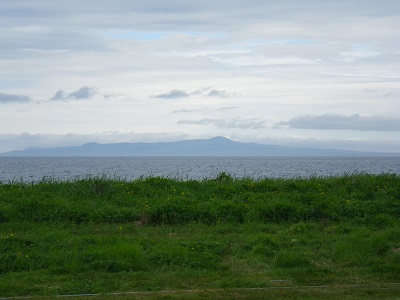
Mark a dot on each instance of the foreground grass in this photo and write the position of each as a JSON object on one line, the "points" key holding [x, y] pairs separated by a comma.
{"points": [[218, 237]]}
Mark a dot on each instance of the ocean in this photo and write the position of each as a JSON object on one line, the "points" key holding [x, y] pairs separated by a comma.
{"points": [[33, 169]]}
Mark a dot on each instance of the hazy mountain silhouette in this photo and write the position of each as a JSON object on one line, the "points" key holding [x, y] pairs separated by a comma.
{"points": [[217, 146]]}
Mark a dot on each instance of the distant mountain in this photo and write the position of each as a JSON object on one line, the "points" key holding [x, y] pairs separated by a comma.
{"points": [[218, 146]]}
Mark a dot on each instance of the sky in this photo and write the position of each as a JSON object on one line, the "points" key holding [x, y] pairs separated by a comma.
{"points": [[313, 73]]}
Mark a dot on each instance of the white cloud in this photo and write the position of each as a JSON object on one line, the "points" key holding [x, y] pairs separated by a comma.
{"points": [[270, 60], [343, 122], [205, 92], [185, 111], [221, 123]]}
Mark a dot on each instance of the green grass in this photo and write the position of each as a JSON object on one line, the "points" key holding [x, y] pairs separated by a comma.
{"points": [[216, 238]]}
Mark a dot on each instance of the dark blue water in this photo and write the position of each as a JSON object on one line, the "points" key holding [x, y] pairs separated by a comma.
{"points": [[31, 169]]}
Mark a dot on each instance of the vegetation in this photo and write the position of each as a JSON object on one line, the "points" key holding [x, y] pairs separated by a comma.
{"points": [[226, 237]]}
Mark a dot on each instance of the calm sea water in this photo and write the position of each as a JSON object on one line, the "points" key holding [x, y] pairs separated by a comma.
{"points": [[31, 169]]}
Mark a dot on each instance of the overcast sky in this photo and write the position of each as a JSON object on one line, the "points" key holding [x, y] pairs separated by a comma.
{"points": [[314, 73]]}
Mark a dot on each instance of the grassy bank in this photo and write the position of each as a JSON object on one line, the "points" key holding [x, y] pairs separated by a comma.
{"points": [[220, 236]]}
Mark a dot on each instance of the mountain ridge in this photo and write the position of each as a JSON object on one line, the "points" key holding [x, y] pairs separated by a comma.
{"points": [[216, 146]]}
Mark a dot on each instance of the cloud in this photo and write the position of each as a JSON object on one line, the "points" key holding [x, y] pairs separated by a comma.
{"points": [[227, 108], [83, 93], [376, 144], [173, 94], [203, 110], [342, 122], [221, 123], [60, 95], [187, 111], [286, 56], [204, 92], [211, 92], [10, 98], [217, 93]]}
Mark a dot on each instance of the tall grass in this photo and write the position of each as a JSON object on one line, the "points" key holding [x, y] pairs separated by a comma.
{"points": [[363, 198], [100, 235]]}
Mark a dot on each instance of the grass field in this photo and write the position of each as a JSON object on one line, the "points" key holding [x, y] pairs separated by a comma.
{"points": [[221, 238]]}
